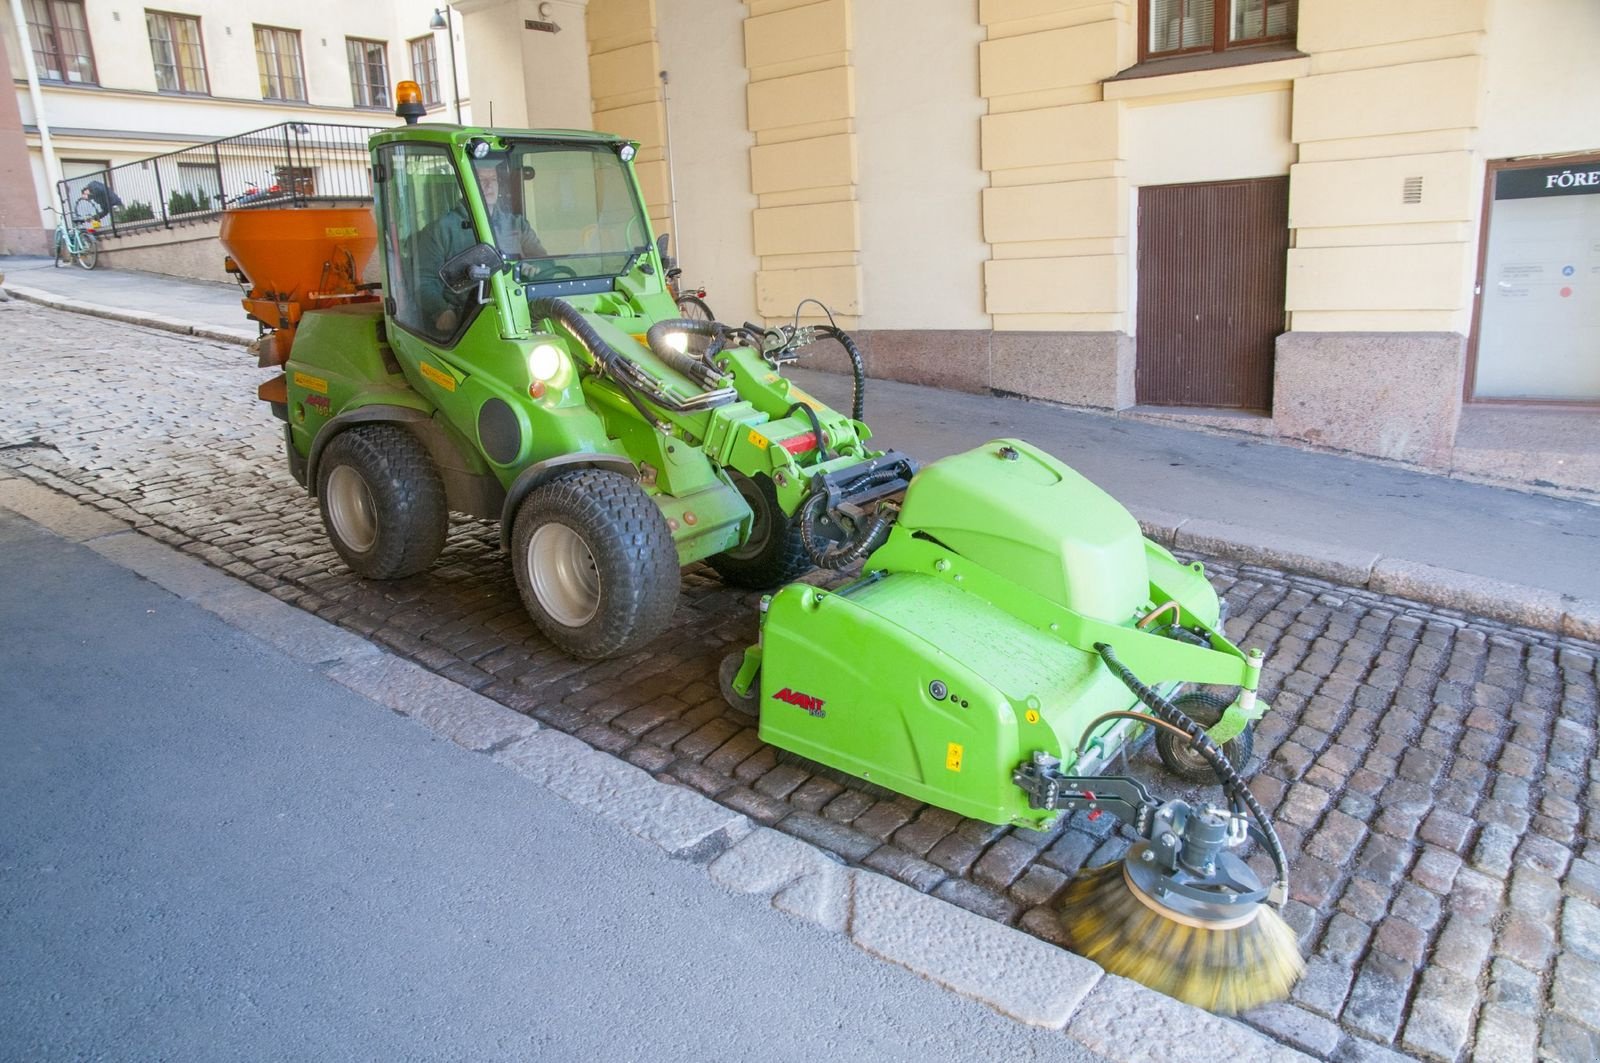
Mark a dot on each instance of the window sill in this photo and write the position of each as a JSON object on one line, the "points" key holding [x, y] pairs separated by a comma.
{"points": [[1248, 68]]}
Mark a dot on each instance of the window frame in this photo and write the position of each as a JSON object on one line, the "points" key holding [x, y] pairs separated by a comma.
{"points": [[174, 17], [42, 55], [299, 62], [407, 311], [432, 92], [377, 92], [1221, 12]]}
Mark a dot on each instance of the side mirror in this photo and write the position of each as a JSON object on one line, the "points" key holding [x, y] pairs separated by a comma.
{"points": [[470, 268], [668, 263]]}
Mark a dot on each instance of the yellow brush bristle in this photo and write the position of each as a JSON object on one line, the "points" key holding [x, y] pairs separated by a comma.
{"points": [[1224, 968]]}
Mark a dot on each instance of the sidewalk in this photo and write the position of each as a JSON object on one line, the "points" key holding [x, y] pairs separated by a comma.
{"points": [[1521, 558]]}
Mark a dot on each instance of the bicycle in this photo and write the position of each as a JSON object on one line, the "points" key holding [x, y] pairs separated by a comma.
{"points": [[691, 301], [75, 243]]}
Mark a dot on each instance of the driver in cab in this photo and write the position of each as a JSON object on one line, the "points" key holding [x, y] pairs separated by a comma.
{"points": [[452, 233]]}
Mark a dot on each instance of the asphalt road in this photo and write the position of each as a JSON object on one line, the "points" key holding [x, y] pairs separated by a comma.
{"points": [[208, 852]]}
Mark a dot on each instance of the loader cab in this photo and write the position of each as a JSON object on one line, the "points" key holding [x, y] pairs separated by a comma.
{"points": [[561, 209]]}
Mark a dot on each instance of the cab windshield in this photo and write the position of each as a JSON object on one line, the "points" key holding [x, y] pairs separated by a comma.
{"points": [[562, 211]]}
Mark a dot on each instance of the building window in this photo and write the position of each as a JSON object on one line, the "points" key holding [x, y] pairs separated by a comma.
{"points": [[1187, 27], [425, 69], [175, 48], [369, 71], [61, 41], [283, 75]]}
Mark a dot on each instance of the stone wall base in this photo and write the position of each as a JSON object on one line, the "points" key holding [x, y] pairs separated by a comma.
{"points": [[1393, 395], [26, 241], [1093, 369], [187, 250]]}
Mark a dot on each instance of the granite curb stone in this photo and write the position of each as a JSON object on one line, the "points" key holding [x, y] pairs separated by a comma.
{"points": [[674, 818], [1253, 547], [110, 313], [468, 719], [1167, 1031], [1014, 973], [65, 517]]}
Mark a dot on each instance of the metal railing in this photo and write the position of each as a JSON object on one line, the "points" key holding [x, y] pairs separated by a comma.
{"points": [[285, 164]]}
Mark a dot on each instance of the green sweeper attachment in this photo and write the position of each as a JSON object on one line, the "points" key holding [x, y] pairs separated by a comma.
{"points": [[1011, 633]]}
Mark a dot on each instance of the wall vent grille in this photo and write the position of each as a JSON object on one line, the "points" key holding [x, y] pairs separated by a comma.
{"points": [[1412, 190]]}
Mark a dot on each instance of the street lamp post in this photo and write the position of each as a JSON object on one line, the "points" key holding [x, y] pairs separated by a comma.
{"points": [[442, 20]]}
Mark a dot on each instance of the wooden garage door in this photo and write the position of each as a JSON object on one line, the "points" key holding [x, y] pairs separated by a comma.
{"points": [[1211, 291]]}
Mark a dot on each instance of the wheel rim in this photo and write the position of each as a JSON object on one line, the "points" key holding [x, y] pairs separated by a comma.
{"points": [[1207, 715], [563, 574], [1186, 756], [351, 510]]}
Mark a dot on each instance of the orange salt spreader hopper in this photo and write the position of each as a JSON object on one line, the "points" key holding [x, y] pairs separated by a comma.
{"points": [[293, 259]]}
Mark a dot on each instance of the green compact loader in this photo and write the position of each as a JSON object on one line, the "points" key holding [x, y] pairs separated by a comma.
{"points": [[1010, 634]]}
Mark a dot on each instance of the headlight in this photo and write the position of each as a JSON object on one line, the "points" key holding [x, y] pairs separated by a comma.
{"points": [[678, 341], [544, 361], [626, 152]]}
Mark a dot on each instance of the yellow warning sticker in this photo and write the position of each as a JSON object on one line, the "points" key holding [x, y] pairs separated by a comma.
{"points": [[758, 440], [341, 230], [443, 379], [1033, 717], [952, 756], [800, 396], [311, 383]]}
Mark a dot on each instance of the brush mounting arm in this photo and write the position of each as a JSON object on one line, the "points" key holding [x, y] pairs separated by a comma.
{"points": [[1048, 787]]}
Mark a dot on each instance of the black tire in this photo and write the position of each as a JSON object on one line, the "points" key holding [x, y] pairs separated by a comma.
{"points": [[694, 308], [1181, 759], [749, 704], [383, 503], [773, 554], [90, 255], [595, 563], [63, 254]]}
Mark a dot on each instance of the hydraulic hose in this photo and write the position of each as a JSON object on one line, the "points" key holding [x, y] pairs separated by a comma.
{"points": [[632, 381], [858, 404], [604, 355], [697, 367], [1230, 778], [864, 543], [816, 426]]}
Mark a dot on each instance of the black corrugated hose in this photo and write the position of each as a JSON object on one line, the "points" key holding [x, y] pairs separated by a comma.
{"points": [[698, 367], [858, 404], [605, 355], [1230, 778], [867, 541]]}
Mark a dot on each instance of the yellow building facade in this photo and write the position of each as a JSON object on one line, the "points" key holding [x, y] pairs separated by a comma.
{"points": [[1352, 224]]}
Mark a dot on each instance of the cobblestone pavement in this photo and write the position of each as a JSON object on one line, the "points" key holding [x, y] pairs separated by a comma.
{"points": [[1433, 776]]}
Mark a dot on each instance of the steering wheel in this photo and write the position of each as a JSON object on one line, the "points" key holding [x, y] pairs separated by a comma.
{"points": [[545, 271]]}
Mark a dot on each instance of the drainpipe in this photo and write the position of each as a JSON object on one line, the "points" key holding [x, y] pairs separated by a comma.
{"points": [[52, 169], [672, 185]]}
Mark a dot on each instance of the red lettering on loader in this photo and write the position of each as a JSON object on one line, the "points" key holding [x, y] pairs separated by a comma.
{"points": [[810, 704]]}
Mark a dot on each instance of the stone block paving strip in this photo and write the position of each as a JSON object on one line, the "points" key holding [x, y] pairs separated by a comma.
{"points": [[1433, 775]]}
